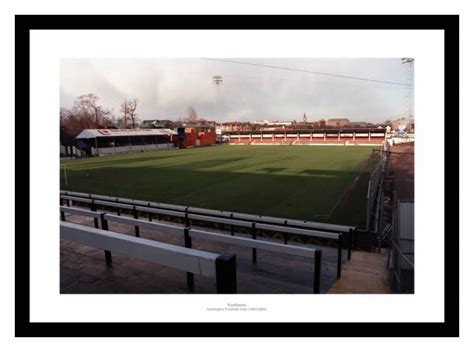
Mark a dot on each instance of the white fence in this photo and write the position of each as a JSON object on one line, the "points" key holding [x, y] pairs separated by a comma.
{"points": [[131, 149], [399, 140]]}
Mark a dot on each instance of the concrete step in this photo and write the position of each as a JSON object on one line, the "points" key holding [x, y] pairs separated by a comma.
{"points": [[364, 273]]}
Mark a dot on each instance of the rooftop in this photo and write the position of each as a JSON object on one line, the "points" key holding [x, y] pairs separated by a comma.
{"points": [[93, 133]]}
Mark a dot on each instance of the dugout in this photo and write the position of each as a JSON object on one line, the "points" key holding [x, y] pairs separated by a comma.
{"points": [[100, 142]]}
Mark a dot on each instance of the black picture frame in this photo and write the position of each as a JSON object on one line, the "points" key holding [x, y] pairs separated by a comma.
{"points": [[448, 23]]}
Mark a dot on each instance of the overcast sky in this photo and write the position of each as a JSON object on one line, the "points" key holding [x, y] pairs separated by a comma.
{"points": [[165, 88]]}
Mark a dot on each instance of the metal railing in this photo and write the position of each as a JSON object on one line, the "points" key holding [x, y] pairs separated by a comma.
{"points": [[218, 213], [234, 220], [220, 267], [187, 232], [401, 245], [375, 195], [399, 270]]}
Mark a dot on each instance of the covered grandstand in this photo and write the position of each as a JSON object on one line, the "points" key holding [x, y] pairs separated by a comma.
{"points": [[100, 142], [344, 136]]}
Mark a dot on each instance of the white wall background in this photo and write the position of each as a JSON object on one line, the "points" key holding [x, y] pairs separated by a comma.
{"points": [[49, 47]]}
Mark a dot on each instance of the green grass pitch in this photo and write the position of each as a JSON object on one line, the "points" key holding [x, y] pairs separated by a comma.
{"points": [[300, 182]]}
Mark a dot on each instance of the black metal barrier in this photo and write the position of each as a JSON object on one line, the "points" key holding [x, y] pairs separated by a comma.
{"points": [[225, 269], [254, 237], [226, 274], [135, 216], [108, 254], [188, 244], [347, 238], [339, 238], [317, 272]]}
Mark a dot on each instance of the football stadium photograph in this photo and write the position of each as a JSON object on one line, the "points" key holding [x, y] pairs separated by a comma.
{"points": [[237, 176]]}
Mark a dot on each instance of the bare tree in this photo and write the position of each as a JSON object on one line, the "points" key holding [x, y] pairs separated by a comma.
{"points": [[124, 111], [84, 114], [128, 108], [91, 100], [65, 135], [132, 106], [87, 105]]}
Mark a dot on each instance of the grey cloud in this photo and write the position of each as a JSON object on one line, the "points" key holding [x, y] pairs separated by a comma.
{"points": [[166, 87]]}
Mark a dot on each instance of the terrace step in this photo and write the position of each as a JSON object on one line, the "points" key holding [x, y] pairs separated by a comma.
{"points": [[364, 273]]}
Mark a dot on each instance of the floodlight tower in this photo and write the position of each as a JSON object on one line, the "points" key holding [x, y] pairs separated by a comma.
{"points": [[409, 61], [217, 80]]}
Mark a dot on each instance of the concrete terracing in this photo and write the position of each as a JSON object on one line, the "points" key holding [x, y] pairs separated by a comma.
{"points": [[83, 268], [364, 273]]}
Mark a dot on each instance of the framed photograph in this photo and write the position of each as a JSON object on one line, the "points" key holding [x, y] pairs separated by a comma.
{"points": [[244, 175]]}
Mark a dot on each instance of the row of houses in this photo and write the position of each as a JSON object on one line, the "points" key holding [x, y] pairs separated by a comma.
{"points": [[403, 123], [275, 125]]}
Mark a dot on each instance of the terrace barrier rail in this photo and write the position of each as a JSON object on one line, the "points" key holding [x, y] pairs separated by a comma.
{"points": [[188, 233], [233, 219], [219, 267], [234, 223]]}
